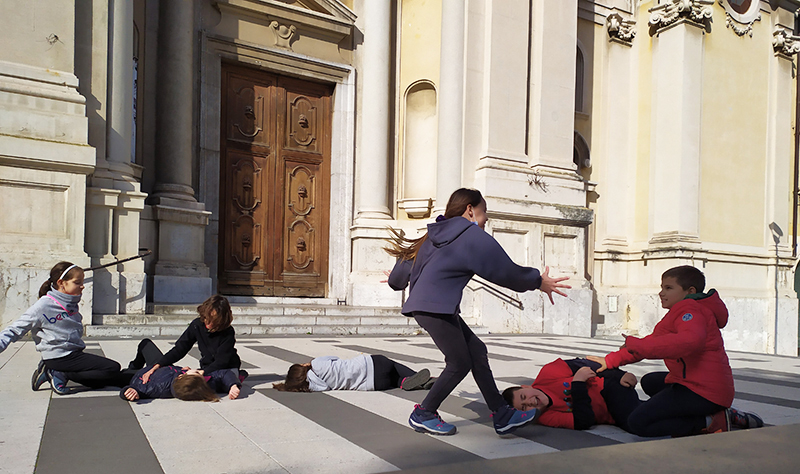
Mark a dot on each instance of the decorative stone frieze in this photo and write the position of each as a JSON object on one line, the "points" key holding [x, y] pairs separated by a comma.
{"points": [[745, 29], [620, 29], [672, 11], [785, 43], [740, 16]]}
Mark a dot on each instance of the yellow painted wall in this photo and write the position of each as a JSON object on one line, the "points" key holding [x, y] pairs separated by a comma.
{"points": [[734, 139]]}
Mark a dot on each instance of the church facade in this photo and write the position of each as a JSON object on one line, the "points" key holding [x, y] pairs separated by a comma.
{"points": [[261, 148]]}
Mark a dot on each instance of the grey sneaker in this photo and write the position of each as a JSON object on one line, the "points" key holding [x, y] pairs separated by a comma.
{"points": [[39, 376]]}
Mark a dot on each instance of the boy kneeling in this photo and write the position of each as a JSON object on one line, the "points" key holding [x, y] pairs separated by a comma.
{"points": [[695, 395]]}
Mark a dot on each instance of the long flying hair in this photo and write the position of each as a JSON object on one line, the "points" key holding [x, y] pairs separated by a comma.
{"points": [[407, 249]]}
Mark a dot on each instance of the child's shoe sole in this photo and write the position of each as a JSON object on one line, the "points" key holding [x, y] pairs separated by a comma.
{"points": [[39, 376]]}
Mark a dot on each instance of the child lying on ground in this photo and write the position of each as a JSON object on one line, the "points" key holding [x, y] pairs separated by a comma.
{"points": [[215, 338], [173, 381], [363, 372], [569, 394]]}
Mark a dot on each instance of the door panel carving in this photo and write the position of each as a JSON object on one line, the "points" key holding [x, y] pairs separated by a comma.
{"points": [[274, 201]]}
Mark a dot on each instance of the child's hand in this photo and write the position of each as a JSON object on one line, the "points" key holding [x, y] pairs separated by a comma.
{"points": [[387, 273], [583, 374], [146, 375], [234, 392], [551, 285], [628, 380], [131, 394], [600, 360]]}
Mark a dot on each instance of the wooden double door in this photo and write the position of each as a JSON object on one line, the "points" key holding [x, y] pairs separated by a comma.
{"points": [[275, 184]]}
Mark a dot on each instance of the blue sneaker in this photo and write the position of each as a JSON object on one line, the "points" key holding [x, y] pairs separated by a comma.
{"points": [[39, 376], [508, 419], [425, 421], [58, 380]]}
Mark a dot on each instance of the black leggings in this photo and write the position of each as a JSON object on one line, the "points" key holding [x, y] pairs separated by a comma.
{"points": [[673, 409], [463, 352], [388, 373], [621, 401], [147, 354], [90, 370]]}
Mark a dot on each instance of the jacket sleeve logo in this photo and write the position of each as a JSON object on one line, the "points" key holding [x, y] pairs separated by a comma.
{"points": [[687, 317]]}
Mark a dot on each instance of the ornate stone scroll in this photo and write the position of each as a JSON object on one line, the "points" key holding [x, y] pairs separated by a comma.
{"points": [[620, 29], [666, 14], [785, 43]]}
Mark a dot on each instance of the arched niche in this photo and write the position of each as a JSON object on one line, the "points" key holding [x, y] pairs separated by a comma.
{"points": [[419, 149]]}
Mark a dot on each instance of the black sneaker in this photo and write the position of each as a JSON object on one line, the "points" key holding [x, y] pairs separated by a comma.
{"points": [[39, 376], [416, 381], [429, 383]]}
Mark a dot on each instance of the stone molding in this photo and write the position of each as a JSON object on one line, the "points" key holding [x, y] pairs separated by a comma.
{"points": [[672, 11], [747, 29], [620, 29], [283, 34], [784, 43]]}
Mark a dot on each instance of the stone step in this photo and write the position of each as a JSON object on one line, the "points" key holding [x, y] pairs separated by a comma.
{"points": [[262, 318]]}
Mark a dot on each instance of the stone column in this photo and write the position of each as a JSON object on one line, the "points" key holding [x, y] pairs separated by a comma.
{"points": [[114, 200], [374, 142], [554, 36], [615, 220], [451, 102], [374, 153], [676, 112], [181, 275]]}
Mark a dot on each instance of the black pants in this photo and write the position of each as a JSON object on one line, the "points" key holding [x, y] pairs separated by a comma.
{"points": [[147, 354], [673, 409], [621, 401], [90, 370], [388, 373], [463, 352]]}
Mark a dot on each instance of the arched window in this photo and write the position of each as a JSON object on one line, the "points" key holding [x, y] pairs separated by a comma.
{"points": [[579, 76], [580, 152]]}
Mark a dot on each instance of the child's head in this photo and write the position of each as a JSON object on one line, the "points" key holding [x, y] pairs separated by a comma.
{"points": [[466, 200], [193, 387], [679, 282], [526, 397], [296, 380], [64, 277], [216, 314]]}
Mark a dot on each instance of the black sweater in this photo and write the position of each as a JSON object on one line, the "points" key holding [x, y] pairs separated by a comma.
{"points": [[216, 348]]}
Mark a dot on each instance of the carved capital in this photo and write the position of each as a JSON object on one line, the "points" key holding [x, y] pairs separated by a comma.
{"points": [[784, 42], [620, 29], [672, 11], [283, 34]]}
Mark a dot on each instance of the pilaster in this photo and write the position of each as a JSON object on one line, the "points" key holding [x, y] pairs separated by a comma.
{"points": [[679, 27]]}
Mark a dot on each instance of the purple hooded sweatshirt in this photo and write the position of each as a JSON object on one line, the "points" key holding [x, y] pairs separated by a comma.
{"points": [[454, 251]]}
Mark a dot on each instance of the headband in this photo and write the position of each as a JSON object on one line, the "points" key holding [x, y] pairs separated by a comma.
{"points": [[66, 271]]}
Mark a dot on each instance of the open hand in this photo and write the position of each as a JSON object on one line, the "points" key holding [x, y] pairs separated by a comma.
{"points": [[551, 285], [628, 380], [600, 360], [387, 273]]}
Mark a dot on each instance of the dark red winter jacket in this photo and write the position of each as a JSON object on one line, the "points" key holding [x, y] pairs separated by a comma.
{"points": [[555, 380], [689, 340]]}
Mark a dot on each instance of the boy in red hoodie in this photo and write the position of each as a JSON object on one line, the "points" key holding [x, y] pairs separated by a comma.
{"points": [[695, 395]]}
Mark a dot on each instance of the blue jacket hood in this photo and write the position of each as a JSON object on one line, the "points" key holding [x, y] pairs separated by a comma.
{"points": [[444, 232]]}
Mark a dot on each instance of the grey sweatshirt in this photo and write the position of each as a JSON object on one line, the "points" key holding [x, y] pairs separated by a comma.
{"points": [[333, 373], [55, 332]]}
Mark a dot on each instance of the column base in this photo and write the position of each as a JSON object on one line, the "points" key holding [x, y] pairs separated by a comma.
{"points": [[180, 289], [675, 239]]}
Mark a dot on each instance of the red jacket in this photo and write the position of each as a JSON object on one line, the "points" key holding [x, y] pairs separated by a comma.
{"points": [[555, 380], [689, 341]]}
